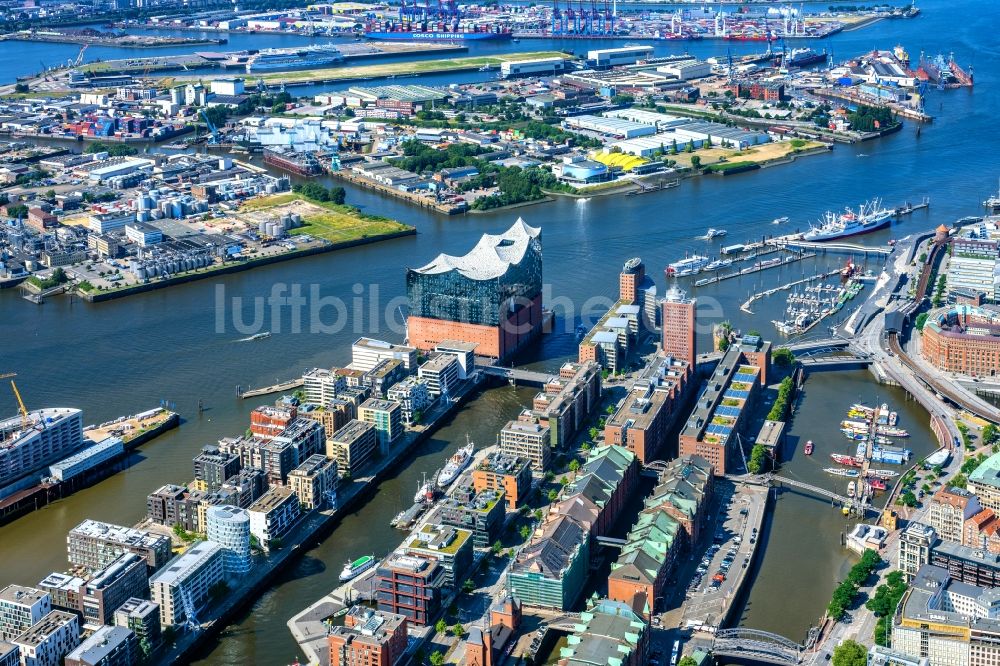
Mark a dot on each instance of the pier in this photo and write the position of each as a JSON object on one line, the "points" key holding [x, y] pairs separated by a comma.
{"points": [[785, 287], [267, 390], [756, 268]]}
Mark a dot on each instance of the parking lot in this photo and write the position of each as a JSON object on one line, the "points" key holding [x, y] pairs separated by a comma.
{"points": [[723, 561]]}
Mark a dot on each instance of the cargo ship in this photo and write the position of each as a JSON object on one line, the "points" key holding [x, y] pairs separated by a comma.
{"points": [[307, 57], [431, 32], [303, 164], [869, 217]]}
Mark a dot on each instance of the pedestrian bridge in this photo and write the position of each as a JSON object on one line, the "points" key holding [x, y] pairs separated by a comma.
{"points": [[757, 645], [517, 376]]}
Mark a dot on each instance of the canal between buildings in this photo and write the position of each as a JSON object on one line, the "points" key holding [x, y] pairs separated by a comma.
{"points": [[179, 344]]}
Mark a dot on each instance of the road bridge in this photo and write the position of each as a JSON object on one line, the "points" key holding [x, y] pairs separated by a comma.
{"points": [[757, 645], [834, 362]]}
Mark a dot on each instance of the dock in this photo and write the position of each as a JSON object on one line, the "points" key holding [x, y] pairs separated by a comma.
{"points": [[267, 390], [785, 287], [657, 187], [756, 268]]}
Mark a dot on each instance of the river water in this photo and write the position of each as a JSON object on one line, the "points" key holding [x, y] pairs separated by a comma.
{"points": [[179, 344]]}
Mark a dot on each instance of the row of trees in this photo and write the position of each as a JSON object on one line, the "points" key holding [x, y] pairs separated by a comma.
{"points": [[883, 604], [872, 118], [845, 593], [779, 410]]}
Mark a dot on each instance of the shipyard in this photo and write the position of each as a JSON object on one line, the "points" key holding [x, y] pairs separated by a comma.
{"points": [[567, 334]]}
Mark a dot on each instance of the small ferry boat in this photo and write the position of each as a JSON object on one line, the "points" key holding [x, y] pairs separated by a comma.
{"points": [[891, 431], [851, 489], [808, 448], [838, 471], [354, 569], [256, 336], [456, 464]]}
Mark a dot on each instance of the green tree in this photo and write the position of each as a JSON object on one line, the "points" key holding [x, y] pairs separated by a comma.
{"points": [[673, 147], [441, 626], [758, 458], [21, 87], [850, 653], [907, 499], [436, 658], [574, 465], [553, 495], [959, 481], [920, 321], [525, 532], [783, 357], [496, 547], [468, 586], [687, 660], [990, 434], [695, 162], [690, 146], [457, 630]]}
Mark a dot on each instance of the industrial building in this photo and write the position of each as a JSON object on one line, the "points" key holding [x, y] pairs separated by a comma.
{"points": [[617, 128], [625, 55], [534, 67]]}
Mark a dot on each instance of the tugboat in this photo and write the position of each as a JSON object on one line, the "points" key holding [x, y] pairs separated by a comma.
{"points": [[808, 449], [354, 569]]}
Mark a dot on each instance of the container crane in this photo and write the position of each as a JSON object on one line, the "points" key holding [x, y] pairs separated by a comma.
{"points": [[79, 56], [25, 421]]}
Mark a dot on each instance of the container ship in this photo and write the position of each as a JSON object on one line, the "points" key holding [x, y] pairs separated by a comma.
{"points": [[431, 32], [303, 164], [869, 217], [280, 60]]}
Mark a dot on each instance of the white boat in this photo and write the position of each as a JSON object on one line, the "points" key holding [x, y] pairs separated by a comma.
{"points": [[354, 569], [717, 264], [305, 57], [779, 220], [688, 265], [851, 489], [883, 473], [456, 464], [256, 336], [715, 233], [870, 216], [837, 471]]}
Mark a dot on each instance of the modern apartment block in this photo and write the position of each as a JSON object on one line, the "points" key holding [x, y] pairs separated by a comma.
{"points": [[314, 482], [229, 526], [386, 416], [368, 638], [511, 474], [413, 397], [273, 515], [184, 584], [527, 438], [10, 654], [723, 410], [50, 435], [212, 468], [366, 353], [412, 586], [450, 546], [678, 321], [353, 446], [48, 641], [643, 420], [441, 374], [107, 646], [386, 373], [166, 506], [464, 353], [321, 385], [480, 512], [21, 607], [491, 297], [333, 415], [269, 421], [97, 598], [142, 617]]}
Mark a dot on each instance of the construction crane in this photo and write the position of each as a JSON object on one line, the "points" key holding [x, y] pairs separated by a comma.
{"points": [[25, 421], [211, 126]]}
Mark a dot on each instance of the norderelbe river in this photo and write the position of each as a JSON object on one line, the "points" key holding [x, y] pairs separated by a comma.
{"points": [[124, 356]]}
